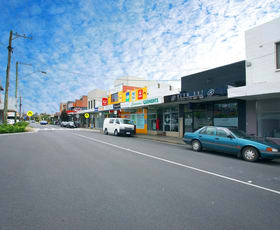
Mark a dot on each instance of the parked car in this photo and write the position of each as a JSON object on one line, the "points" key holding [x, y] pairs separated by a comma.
{"points": [[71, 124], [233, 141], [64, 123], [43, 122], [118, 126]]}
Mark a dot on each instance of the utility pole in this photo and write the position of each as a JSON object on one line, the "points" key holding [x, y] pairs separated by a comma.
{"points": [[20, 107], [17, 63], [10, 50], [16, 91]]}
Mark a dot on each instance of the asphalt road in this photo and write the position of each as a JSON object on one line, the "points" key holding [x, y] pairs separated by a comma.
{"points": [[71, 179]]}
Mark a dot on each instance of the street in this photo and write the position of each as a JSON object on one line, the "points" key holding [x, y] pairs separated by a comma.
{"points": [[58, 178]]}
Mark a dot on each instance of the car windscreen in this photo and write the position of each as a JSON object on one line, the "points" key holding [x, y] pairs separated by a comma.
{"points": [[125, 121], [239, 133]]}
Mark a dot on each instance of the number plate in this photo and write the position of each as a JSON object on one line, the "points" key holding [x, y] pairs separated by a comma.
{"points": [[127, 132]]}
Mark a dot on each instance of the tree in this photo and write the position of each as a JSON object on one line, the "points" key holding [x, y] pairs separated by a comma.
{"points": [[64, 116]]}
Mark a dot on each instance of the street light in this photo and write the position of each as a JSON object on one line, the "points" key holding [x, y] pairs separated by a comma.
{"points": [[38, 71]]}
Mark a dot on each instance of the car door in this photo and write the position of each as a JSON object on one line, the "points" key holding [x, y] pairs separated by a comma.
{"points": [[225, 142], [207, 137], [111, 126]]}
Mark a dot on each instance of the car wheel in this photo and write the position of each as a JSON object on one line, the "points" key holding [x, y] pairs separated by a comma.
{"points": [[250, 154], [106, 132], [196, 145], [116, 133]]}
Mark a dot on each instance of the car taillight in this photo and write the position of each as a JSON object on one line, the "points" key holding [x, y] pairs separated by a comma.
{"points": [[269, 149]]}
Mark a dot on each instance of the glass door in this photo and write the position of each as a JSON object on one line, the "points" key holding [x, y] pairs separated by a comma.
{"points": [[166, 121], [188, 122]]}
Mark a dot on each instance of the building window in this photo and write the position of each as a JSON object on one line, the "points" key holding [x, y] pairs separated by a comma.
{"points": [[278, 55], [115, 97]]}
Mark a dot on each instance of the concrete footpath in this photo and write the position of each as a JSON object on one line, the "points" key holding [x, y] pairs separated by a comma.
{"points": [[165, 139]]}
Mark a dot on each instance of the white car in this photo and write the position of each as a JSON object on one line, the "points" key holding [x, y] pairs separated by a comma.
{"points": [[118, 126]]}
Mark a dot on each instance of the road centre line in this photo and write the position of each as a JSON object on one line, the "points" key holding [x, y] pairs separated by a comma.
{"points": [[182, 165]]}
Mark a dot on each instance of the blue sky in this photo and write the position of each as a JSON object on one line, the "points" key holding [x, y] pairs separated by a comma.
{"points": [[86, 44]]}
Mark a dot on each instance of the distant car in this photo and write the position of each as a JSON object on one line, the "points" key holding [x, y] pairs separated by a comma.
{"points": [[43, 122], [71, 124], [233, 141], [64, 123], [118, 126]]}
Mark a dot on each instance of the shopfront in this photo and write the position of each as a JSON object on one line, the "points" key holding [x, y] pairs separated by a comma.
{"points": [[208, 107], [267, 118], [138, 116], [225, 113]]}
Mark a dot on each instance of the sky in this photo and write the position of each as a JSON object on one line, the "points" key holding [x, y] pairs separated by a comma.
{"points": [[87, 44]]}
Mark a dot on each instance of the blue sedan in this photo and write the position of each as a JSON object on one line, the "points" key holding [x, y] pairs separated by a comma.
{"points": [[232, 141]]}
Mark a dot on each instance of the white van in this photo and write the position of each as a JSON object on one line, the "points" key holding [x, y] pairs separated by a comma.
{"points": [[118, 126]]}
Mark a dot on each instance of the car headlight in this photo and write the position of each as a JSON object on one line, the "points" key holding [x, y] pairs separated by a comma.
{"points": [[269, 149]]}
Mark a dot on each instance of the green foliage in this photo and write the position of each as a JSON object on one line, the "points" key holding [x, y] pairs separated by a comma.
{"points": [[16, 128]]}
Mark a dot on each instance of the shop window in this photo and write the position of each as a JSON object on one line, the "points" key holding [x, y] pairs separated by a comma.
{"points": [[170, 119], [268, 117], [226, 114], [202, 115], [278, 55]]}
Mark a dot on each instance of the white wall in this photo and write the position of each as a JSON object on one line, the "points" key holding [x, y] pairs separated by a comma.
{"points": [[260, 52], [161, 89], [97, 95], [133, 81]]}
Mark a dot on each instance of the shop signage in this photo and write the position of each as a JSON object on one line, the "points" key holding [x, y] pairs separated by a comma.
{"points": [[125, 104], [100, 108], [137, 103], [127, 96], [133, 95], [195, 95], [117, 106], [77, 109], [104, 101], [156, 100], [140, 94], [108, 107]]}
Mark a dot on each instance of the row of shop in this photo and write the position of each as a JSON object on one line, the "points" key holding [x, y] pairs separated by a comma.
{"points": [[193, 108], [174, 114]]}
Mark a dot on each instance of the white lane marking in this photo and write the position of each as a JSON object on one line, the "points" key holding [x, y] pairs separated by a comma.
{"points": [[182, 165]]}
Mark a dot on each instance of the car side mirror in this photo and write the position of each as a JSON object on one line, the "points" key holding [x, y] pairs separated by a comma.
{"points": [[230, 136]]}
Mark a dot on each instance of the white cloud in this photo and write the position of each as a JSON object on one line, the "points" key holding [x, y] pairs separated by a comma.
{"points": [[88, 44]]}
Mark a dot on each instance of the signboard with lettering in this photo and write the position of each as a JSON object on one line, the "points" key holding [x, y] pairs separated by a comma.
{"points": [[133, 96], [140, 94], [127, 96], [195, 95], [104, 101]]}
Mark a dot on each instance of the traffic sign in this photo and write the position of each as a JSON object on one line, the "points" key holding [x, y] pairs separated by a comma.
{"points": [[29, 113], [86, 115]]}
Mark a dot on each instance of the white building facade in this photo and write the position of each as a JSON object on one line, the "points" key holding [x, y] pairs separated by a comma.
{"points": [[262, 90]]}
